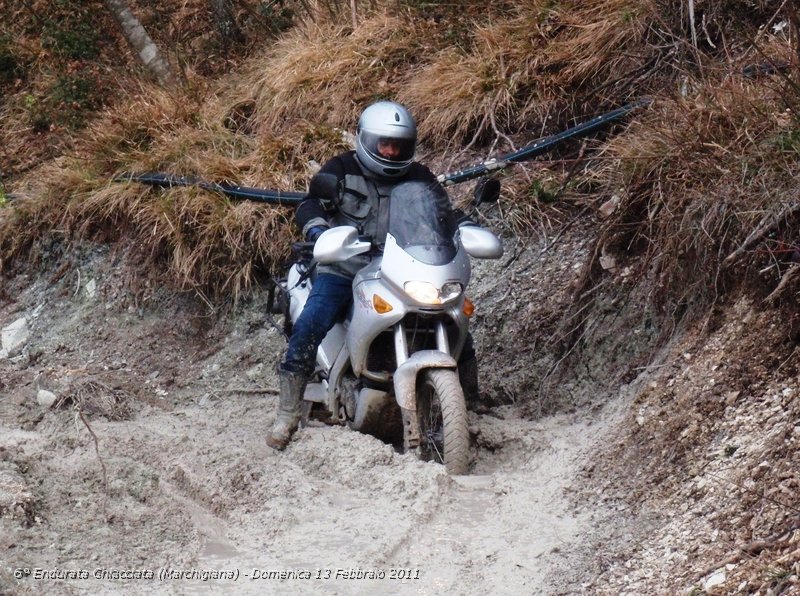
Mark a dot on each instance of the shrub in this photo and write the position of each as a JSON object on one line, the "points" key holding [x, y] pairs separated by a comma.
{"points": [[73, 39]]}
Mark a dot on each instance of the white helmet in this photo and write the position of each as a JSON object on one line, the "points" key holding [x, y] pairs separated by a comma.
{"points": [[386, 123]]}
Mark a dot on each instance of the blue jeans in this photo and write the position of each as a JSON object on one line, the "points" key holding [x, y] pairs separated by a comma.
{"points": [[331, 296]]}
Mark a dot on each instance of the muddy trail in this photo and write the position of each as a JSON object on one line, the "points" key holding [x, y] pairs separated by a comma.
{"points": [[133, 444], [133, 459], [195, 490]]}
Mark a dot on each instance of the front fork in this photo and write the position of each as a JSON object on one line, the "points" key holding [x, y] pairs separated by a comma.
{"points": [[405, 377]]}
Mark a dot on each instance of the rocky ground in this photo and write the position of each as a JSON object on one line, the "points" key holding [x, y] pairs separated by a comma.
{"points": [[132, 429]]}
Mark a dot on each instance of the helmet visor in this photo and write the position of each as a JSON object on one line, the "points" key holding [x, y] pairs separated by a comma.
{"points": [[388, 149]]}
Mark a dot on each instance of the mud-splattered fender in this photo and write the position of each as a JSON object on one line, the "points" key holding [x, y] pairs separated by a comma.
{"points": [[405, 377]]}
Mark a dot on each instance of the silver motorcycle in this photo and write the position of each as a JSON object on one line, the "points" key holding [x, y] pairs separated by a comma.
{"points": [[390, 367]]}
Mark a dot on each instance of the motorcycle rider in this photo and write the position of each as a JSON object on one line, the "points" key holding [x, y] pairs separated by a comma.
{"points": [[384, 157]]}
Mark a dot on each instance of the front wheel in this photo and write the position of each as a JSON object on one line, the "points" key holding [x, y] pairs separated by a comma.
{"points": [[442, 415]]}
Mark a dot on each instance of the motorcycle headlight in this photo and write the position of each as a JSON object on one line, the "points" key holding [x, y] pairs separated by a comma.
{"points": [[451, 290], [427, 293], [422, 291]]}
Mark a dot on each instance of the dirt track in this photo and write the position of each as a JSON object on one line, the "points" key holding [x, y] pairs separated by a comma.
{"points": [[195, 488], [183, 480], [619, 493]]}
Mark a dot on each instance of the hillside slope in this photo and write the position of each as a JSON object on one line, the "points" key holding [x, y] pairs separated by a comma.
{"points": [[638, 340]]}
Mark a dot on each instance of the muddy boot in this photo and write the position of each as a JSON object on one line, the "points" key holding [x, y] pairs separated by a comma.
{"points": [[292, 386], [468, 375]]}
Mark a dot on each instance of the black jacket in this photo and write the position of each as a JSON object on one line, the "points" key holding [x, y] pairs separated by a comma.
{"points": [[363, 203]]}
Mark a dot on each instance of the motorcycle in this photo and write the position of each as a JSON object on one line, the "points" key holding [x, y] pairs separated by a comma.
{"points": [[390, 367]]}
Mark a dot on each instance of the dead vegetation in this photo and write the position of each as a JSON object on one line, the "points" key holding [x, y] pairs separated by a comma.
{"points": [[705, 184], [471, 76], [91, 395], [712, 160]]}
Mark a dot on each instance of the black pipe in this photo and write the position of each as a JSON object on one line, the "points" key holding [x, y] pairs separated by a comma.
{"points": [[539, 147], [234, 191], [290, 198]]}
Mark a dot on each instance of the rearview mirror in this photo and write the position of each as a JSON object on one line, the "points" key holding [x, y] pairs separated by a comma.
{"points": [[487, 191], [480, 242], [339, 244], [324, 186]]}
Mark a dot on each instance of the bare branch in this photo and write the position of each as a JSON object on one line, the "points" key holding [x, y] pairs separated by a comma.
{"points": [[141, 41]]}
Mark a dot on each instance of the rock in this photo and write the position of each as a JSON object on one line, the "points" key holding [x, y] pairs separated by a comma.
{"points": [[46, 398], [731, 397], [256, 372], [608, 262], [760, 470], [91, 289], [607, 208], [715, 579], [14, 337]]}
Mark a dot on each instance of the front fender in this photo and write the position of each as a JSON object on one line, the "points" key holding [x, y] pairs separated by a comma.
{"points": [[405, 377]]}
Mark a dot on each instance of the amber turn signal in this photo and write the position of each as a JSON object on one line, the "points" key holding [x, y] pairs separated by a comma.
{"points": [[468, 308], [381, 306]]}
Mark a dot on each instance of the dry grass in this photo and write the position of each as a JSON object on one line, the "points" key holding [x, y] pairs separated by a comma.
{"points": [[598, 40], [326, 72], [90, 395], [462, 95], [204, 242], [198, 240], [525, 69], [521, 71], [697, 175]]}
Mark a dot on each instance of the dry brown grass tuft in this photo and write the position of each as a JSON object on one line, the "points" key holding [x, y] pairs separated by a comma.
{"points": [[133, 134], [463, 94], [197, 240], [528, 69], [324, 72], [523, 69], [595, 40], [698, 175], [203, 241]]}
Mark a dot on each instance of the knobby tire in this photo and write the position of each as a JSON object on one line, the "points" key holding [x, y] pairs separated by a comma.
{"points": [[442, 414]]}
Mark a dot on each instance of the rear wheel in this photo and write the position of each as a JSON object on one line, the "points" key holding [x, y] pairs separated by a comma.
{"points": [[442, 415]]}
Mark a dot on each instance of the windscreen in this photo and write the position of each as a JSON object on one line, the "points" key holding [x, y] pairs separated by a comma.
{"points": [[422, 222]]}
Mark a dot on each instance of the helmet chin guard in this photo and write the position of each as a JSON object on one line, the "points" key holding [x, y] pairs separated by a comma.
{"points": [[381, 124]]}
